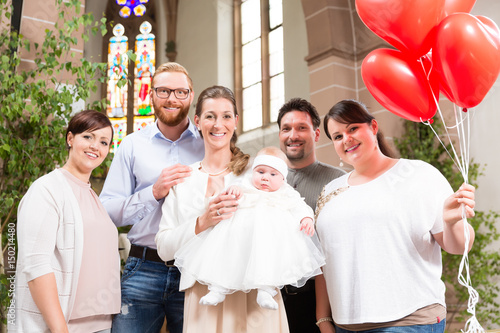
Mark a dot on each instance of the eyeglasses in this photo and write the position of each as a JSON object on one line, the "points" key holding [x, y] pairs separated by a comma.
{"points": [[163, 92]]}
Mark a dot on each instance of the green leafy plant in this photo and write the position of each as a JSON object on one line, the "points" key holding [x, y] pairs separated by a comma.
{"points": [[37, 103], [419, 142]]}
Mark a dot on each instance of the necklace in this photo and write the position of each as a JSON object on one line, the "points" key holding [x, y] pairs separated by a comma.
{"points": [[323, 199], [212, 174]]}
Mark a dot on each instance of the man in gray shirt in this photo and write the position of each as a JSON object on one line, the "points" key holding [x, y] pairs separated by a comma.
{"points": [[299, 122]]}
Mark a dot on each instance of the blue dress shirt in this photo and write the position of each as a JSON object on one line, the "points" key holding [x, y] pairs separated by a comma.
{"points": [[127, 194]]}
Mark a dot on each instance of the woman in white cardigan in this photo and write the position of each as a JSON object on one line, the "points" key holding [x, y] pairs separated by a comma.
{"points": [[200, 203], [68, 268]]}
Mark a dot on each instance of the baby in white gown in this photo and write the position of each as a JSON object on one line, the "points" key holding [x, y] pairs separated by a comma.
{"points": [[267, 244]]}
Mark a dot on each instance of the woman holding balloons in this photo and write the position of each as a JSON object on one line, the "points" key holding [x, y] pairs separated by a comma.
{"points": [[382, 227]]}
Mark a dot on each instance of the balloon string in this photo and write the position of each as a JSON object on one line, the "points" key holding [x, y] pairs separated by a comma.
{"points": [[455, 159], [455, 126], [462, 140], [472, 325], [442, 143], [462, 162]]}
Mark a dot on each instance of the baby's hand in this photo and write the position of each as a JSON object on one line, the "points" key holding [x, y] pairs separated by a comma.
{"points": [[234, 190], [307, 226]]}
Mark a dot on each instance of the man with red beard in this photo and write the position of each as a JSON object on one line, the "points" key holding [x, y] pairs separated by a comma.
{"points": [[146, 165], [298, 122]]}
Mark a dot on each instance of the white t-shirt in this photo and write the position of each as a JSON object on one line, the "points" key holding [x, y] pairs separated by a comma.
{"points": [[382, 262]]}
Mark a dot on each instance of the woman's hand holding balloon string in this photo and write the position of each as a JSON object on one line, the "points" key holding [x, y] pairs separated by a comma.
{"points": [[459, 202], [457, 207]]}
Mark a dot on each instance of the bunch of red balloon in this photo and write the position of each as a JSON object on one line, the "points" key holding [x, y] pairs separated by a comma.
{"points": [[441, 48]]}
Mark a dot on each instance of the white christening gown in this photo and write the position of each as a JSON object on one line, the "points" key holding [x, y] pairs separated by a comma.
{"points": [[260, 246]]}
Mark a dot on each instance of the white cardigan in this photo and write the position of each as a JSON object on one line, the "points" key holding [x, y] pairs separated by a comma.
{"points": [[54, 247]]}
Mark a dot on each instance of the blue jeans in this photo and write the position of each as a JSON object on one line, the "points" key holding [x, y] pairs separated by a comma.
{"points": [[150, 291], [432, 328]]}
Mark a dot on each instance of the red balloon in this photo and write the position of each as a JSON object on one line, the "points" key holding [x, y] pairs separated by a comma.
{"points": [[490, 25], [430, 73], [433, 76], [406, 24], [466, 55], [399, 83], [458, 6], [444, 89]]}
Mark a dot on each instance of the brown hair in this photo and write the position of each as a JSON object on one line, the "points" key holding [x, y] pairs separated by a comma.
{"points": [[239, 160], [300, 104], [87, 121], [350, 111], [172, 67]]}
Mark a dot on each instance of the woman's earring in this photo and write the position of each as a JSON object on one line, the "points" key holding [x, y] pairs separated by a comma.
{"points": [[341, 164]]}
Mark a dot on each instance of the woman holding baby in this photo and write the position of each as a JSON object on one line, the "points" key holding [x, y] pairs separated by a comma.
{"points": [[201, 203]]}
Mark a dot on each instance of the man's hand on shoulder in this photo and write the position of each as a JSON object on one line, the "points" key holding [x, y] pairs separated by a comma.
{"points": [[169, 177]]}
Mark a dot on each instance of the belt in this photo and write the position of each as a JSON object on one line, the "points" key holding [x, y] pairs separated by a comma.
{"points": [[147, 253], [291, 290]]}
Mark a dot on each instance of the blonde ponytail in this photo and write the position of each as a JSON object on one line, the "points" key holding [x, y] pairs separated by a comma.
{"points": [[239, 161]]}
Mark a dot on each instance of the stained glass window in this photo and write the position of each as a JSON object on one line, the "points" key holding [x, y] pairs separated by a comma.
{"points": [[140, 123], [132, 6], [119, 132], [117, 69], [144, 68]]}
